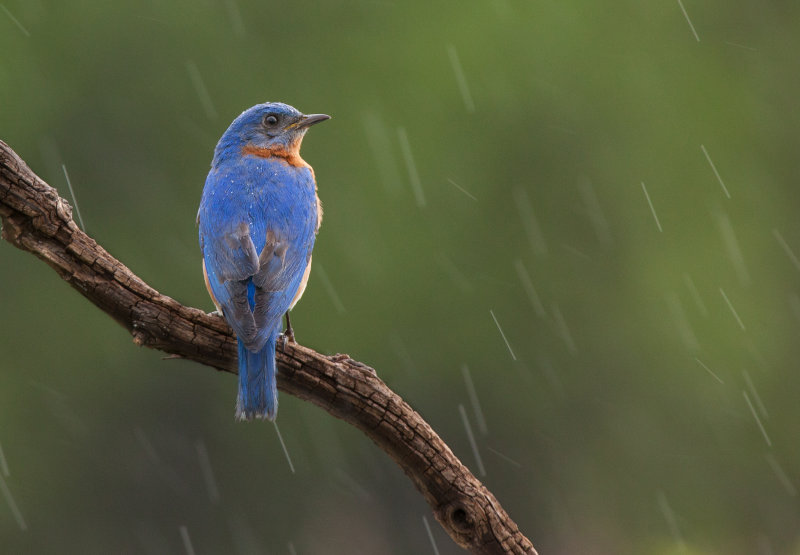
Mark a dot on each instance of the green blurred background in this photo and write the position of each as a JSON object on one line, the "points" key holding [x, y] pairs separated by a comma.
{"points": [[483, 156]]}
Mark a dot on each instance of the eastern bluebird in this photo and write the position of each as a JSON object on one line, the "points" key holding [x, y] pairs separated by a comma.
{"points": [[258, 218]]}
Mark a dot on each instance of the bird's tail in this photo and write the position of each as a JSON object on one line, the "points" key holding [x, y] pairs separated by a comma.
{"points": [[258, 392]]}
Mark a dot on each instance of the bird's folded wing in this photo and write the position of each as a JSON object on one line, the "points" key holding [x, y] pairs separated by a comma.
{"points": [[246, 283]]}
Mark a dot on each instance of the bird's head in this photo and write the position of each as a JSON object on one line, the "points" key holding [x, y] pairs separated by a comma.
{"points": [[271, 129]]}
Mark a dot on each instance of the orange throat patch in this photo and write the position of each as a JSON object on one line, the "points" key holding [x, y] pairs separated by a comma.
{"points": [[290, 155]]}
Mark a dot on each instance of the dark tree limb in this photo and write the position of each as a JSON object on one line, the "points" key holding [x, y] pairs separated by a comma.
{"points": [[36, 219]]}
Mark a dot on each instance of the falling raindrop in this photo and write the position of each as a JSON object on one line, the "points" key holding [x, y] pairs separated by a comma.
{"points": [[15, 20], [529, 222], [750, 48], [732, 247], [283, 445], [352, 485], [472, 442], [3, 463], [595, 211], [682, 322], [236, 17], [563, 330], [145, 442], [326, 282], [456, 276], [402, 352], [758, 420], [695, 294], [701, 363], [508, 345], [786, 248], [201, 90], [245, 540], [416, 184], [74, 198], [689, 21], [187, 541], [430, 535], [12, 505], [652, 208], [473, 399], [780, 473], [382, 150], [530, 290], [672, 522], [504, 457], [460, 188], [714, 168], [208, 472], [751, 386], [794, 305], [733, 310], [462, 80]]}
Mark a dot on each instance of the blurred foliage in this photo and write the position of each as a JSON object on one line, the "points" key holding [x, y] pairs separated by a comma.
{"points": [[626, 423]]}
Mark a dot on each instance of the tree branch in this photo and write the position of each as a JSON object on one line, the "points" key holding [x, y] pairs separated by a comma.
{"points": [[36, 219]]}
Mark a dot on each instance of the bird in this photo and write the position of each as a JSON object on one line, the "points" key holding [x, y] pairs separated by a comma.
{"points": [[258, 219]]}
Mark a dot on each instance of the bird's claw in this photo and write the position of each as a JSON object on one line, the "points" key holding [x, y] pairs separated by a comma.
{"points": [[287, 337]]}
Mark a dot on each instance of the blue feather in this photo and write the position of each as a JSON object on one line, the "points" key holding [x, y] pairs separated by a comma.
{"points": [[258, 392]]}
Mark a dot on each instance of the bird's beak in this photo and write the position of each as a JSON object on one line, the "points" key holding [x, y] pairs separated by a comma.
{"points": [[309, 120]]}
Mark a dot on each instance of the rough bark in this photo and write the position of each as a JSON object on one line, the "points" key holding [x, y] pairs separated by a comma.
{"points": [[36, 219]]}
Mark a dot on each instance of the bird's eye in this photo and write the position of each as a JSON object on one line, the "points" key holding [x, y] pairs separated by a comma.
{"points": [[270, 120]]}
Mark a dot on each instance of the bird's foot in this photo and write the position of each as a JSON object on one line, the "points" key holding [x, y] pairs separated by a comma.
{"points": [[287, 337], [289, 333]]}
